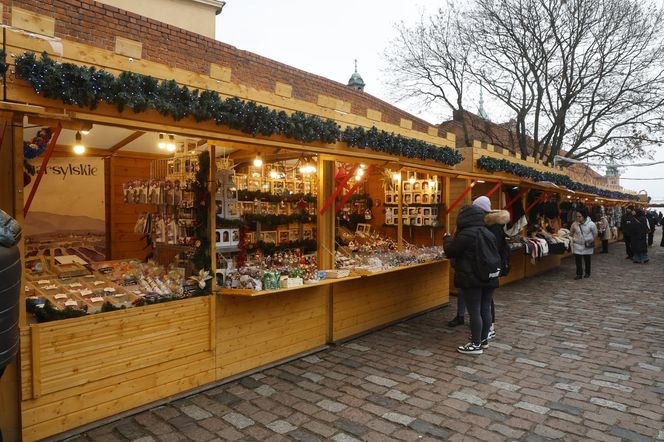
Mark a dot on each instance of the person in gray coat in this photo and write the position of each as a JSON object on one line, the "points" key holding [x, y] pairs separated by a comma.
{"points": [[584, 232]]}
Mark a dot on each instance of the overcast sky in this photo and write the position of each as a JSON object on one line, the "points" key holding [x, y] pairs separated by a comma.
{"points": [[325, 37]]}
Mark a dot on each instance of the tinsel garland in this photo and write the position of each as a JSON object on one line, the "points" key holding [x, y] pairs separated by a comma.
{"points": [[501, 165], [201, 258], [86, 87]]}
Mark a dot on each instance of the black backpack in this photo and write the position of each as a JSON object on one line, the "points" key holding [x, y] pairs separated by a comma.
{"points": [[486, 262]]}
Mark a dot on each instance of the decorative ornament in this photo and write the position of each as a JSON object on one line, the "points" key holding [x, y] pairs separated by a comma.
{"points": [[201, 278]]}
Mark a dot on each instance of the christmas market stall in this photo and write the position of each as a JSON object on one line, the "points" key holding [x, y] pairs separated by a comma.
{"points": [[182, 228]]}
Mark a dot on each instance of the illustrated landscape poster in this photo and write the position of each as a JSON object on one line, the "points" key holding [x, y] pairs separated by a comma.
{"points": [[67, 214]]}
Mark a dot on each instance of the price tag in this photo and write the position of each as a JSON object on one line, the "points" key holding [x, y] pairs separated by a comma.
{"points": [[109, 289], [97, 299], [86, 292], [60, 296], [71, 303], [98, 283], [50, 287], [43, 281], [76, 284]]}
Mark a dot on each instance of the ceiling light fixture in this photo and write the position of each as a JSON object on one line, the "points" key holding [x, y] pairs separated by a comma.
{"points": [[258, 161], [161, 144], [396, 176], [79, 147]]}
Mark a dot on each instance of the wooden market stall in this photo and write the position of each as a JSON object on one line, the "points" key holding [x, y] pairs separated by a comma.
{"points": [[76, 371]]}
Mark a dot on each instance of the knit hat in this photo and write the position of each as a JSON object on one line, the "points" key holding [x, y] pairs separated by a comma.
{"points": [[483, 203]]}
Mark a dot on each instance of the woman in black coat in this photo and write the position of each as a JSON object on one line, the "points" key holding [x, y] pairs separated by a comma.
{"points": [[477, 294], [639, 235]]}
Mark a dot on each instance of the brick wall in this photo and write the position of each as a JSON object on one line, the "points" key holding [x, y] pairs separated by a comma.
{"points": [[97, 24]]}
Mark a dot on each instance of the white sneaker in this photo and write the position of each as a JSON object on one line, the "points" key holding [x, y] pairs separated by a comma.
{"points": [[492, 334], [470, 349]]}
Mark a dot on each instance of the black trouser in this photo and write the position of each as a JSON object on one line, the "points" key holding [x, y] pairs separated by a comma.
{"points": [[579, 267], [478, 303], [651, 235], [605, 246], [628, 246]]}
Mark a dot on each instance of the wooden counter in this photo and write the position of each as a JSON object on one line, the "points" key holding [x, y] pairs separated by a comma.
{"points": [[541, 265]]}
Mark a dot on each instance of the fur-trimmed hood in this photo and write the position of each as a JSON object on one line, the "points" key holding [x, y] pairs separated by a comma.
{"points": [[497, 217]]}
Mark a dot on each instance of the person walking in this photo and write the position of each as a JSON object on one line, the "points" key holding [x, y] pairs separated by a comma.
{"points": [[652, 222], [584, 232], [476, 288], [626, 226], [639, 233], [604, 231]]}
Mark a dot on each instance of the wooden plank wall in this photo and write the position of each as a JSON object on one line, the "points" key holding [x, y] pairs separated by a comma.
{"points": [[93, 367], [257, 331], [363, 304], [122, 217], [457, 186], [541, 265]]}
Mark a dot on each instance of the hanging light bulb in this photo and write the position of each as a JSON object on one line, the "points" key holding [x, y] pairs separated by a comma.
{"points": [[170, 146], [307, 168], [359, 172], [84, 132], [161, 144], [258, 161], [274, 174], [412, 179], [396, 176], [79, 147]]}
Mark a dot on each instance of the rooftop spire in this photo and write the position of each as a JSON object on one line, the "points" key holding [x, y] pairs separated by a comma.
{"points": [[356, 81], [480, 111]]}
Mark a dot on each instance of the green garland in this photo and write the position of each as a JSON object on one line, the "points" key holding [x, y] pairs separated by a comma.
{"points": [[248, 195], [277, 220], [501, 165], [49, 313], [86, 87], [201, 258], [306, 245]]}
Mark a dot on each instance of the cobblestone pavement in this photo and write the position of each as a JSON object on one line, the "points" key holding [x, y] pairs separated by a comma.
{"points": [[573, 360]]}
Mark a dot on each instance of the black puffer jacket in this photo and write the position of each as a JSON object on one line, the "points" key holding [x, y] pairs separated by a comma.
{"points": [[461, 247]]}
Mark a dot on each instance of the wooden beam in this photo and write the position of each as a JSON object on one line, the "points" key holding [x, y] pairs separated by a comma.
{"points": [[64, 150], [63, 119], [126, 141]]}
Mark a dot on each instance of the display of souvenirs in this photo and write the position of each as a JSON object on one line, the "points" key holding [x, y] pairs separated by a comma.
{"points": [[421, 198], [112, 285], [281, 270]]}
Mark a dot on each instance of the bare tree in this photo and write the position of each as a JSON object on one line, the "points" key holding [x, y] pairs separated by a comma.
{"points": [[581, 77], [429, 62]]}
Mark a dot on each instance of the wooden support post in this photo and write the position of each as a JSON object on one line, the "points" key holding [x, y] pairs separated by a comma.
{"points": [[446, 202], [212, 222], [11, 201]]}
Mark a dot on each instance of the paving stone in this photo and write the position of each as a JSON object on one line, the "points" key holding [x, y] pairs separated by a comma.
{"points": [[396, 394], [320, 428], [265, 390], [531, 362], [418, 352], [481, 411], [532, 407], [303, 436], [238, 420], [378, 380], [505, 386], [331, 406], [506, 431], [568, 387], [250, 383], [351, 427], [564, 407], [198, 434], [382, 426], [423, 427], [281, 427], [357, 347], [609, 404], [465, 369], [649, 366], [342, 437], [548, 432], [419, 377], [629, 435], [140, 439], [227, 398], [182, 421], [383, 401], [195, 412], [312, 359], [313, 377], [467, 397], [399, 418]]}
